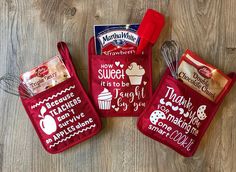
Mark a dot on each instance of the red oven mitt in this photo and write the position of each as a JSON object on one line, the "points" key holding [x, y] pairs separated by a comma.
{"points": [[178, 116], [120, 85], [63, 115]]}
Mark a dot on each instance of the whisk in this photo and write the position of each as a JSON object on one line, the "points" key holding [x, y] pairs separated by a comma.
{"points": [[10, 83], [170, 52]]}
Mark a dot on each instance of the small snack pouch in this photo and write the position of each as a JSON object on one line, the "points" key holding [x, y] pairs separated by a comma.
{"points": [[178, 116], [62, 115], [120, 85]]}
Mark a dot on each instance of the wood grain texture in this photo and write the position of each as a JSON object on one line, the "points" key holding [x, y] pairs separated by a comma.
{"points": [[230, 17], [29, 32]]}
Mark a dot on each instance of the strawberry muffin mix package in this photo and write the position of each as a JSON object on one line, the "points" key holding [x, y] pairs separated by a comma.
{"points": [[116, 39]]}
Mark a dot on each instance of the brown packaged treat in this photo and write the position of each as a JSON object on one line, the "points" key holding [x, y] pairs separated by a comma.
{"points": [[46, 75], [202, 77]]}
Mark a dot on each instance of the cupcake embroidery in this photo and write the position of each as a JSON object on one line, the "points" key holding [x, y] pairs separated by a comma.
{"points": [[135, 73], [104, 100]]}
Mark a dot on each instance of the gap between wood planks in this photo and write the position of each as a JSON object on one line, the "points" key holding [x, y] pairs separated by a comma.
{"points": [[1, 157]]}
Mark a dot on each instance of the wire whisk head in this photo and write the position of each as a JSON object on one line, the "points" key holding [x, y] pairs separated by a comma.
{"points": [[171, 53], [10, 84]]}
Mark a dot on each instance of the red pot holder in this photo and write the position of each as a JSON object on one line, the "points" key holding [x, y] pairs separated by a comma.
{"points": [[178, 116], [62, 115], [120, 85]]}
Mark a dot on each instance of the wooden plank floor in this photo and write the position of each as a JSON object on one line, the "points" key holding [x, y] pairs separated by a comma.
{"points": [[29, 31]]}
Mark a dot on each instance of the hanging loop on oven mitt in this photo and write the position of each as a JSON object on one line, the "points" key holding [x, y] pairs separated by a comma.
{"points": [[120, 85], [178, 116], [63, 115]]}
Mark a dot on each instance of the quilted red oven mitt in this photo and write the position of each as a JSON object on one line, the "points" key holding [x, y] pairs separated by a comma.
{"points": [[120, 85], [63, 115], [178, 116]]}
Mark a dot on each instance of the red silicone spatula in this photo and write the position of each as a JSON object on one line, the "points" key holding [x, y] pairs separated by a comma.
{"points": [[150, 29]]}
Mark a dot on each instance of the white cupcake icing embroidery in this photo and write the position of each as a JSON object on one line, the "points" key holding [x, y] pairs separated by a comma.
{"points": [[135, 73], [104, 100]]}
